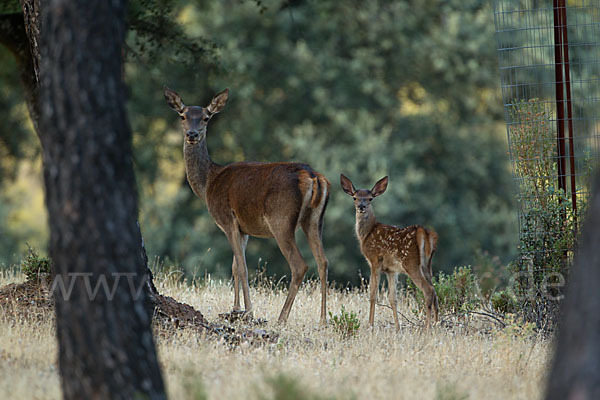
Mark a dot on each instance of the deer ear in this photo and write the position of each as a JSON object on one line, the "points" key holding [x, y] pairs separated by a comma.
{"points": [[218, 102], [380, 187], [347, 185], [174, 100]]}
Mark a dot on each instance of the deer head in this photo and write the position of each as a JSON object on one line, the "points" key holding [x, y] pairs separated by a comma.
{"points": [[363, 197], [194, 119]]}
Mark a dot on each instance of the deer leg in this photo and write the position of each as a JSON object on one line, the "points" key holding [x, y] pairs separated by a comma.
{"points": [[238, 242], [236, 286], [430, 279], [426, 251], [391, 278], [289, 249], [429, 294], [313, 234], [373, 289], [243, 274]]}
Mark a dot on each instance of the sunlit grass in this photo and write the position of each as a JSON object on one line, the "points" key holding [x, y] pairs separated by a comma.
{"points": [[379, 363]]}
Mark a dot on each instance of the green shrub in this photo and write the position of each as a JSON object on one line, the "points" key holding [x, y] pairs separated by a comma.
{"points": [[455, 292], [35, 267], [346, 323], [504, 302], [548, 219], [490, 272]]}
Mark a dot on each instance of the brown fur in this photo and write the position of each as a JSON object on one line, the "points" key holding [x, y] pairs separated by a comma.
{"points": [[393, 250], [270, 200]]}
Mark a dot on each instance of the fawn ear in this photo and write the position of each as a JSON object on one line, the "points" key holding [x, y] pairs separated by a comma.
{"points": [[174, 100], [347, 185], [218, 102], [380, 187]]}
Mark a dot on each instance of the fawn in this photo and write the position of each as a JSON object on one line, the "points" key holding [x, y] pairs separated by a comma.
{"points": [[270, 200], [393, 250]]}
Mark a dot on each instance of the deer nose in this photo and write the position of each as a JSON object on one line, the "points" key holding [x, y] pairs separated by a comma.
{"points": [[361, 207], [193, 135]]}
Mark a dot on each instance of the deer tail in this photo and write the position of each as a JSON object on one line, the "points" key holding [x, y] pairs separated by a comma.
{"points": [[320, 192], [433, 239]]}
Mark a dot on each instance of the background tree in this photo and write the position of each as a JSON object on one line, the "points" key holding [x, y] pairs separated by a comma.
{"points": [[153, 31], [408, 89], [106, 347]]}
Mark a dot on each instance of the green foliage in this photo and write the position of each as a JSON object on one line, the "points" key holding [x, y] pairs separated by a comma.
{"points": [[490, 272], [16, 228], [154, 33], [10, 240], [17, 140], [34, 267], [456, 292], [10, 6], [319, 82], [346, 323], [405, 89], [548, 220], [504, 302]]}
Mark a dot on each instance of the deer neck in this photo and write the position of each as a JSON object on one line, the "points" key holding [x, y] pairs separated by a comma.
{"points": [[365, 222], [198, 166]]}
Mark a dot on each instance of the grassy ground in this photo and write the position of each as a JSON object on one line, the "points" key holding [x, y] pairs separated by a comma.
{"points": [[455, 361]]}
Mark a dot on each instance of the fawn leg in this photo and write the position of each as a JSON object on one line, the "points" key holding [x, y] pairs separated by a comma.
{"points": [[373, 289], [391, 278], [429, 294], [426, 251]]}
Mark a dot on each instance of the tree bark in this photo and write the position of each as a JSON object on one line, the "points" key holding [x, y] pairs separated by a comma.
{"points": [[31, 16], [575, 370], [106, 349]]}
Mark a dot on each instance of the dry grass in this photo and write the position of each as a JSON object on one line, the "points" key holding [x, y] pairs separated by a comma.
{"points": [[449, 363]]}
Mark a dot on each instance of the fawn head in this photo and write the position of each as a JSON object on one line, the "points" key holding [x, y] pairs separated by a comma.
{"points": [[194, 119], [363, 197]]}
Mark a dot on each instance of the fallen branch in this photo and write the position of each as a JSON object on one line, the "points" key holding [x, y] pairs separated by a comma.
{"points": [[414, 323]]}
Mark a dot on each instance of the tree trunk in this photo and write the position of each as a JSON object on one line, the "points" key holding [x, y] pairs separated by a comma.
{"points": [[576, 368], [106, 349]]}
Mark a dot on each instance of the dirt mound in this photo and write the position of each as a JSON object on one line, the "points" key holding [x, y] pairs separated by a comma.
{"points": [[171, 314], [26, 298], [33, 298]]}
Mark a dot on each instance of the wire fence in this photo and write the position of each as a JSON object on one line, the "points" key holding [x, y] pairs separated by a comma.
{"points": [[549, 58]]}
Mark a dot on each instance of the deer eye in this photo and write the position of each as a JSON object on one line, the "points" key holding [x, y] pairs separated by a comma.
{"points": [[353, 198], [205, 119], [182, 117]]}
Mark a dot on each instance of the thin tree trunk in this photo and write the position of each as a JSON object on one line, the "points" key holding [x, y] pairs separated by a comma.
{"points": [[106, 349], [575, 371]]}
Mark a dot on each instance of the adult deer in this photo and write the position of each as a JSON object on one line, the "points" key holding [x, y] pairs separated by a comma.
{"points": [[255, 199], [393, 250]]}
